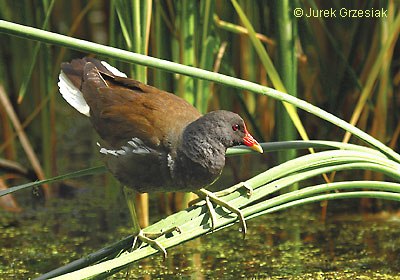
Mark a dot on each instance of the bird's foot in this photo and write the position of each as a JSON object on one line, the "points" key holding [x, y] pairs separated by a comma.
{"points": [[148, 238], [236, 187], [227, 191], [211, 197]]}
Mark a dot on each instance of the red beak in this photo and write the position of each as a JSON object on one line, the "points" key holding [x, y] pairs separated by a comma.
{"points": [[251, 142]]}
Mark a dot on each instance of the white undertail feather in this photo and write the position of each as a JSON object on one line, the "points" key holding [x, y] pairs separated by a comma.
{"points": [[113, 70], [74, 96]]}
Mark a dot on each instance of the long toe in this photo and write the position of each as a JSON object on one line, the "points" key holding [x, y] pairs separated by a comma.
{"points": [[235, 188], [149, 238], [153, 243], [209, 196], [154, 235]]}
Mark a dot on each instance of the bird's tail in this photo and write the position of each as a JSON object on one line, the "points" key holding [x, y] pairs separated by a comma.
{"points": [[71, 78]]}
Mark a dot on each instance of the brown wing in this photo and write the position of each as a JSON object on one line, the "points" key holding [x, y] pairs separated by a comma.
{"points": [[122, 108]]}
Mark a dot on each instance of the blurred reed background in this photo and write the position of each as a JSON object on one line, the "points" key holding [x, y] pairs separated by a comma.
{"points": [[343, 65]]}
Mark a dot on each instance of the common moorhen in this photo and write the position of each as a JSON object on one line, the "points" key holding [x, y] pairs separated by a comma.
{"points": [[152, 140]]}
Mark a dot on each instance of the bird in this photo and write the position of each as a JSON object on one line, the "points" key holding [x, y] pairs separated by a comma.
{"points": [[152, 140]]}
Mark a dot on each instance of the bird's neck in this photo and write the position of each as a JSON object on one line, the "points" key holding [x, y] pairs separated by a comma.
{"points": [[203, 149], [203, 160]]}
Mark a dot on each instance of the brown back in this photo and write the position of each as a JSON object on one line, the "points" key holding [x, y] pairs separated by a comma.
{"points": [[122, 108]]}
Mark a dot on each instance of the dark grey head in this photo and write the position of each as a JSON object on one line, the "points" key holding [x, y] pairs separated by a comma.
{"points": [[201, 151], [218, 128]]}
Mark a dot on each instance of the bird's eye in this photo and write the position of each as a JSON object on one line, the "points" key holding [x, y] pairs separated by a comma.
{"points": [[236, 127]]}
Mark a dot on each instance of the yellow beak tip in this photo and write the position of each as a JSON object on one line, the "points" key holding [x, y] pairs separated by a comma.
{"points": [[257, 147]]}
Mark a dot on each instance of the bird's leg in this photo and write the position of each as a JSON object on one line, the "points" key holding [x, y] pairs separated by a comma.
{"points": [[209, 196], [227, 191], [146, 237]]}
